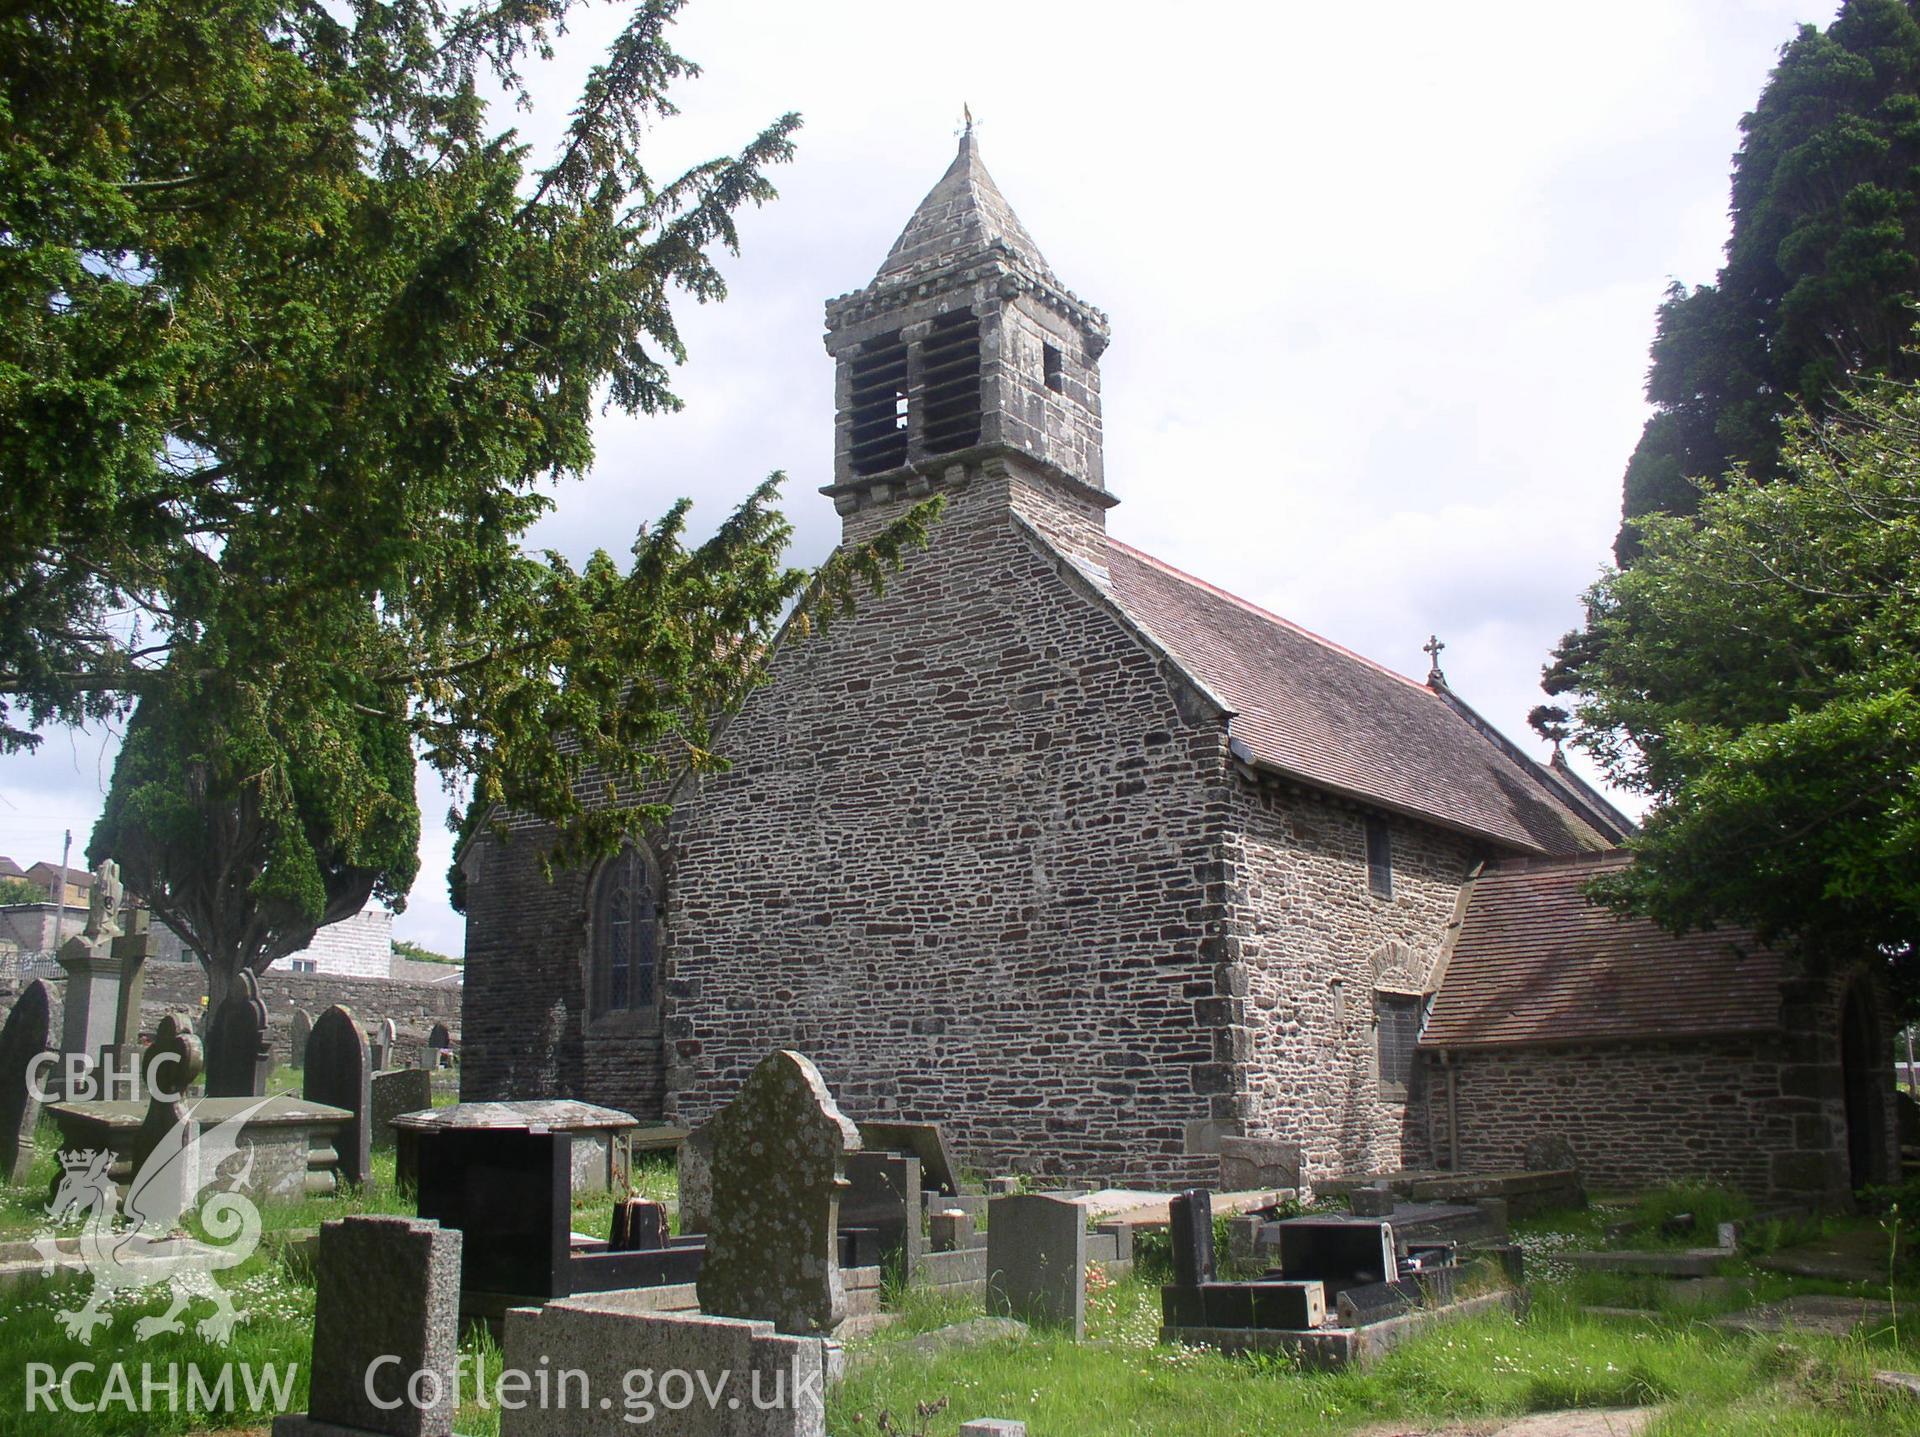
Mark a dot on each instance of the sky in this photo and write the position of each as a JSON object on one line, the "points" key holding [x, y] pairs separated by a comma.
{"points": [[1381, 280]]}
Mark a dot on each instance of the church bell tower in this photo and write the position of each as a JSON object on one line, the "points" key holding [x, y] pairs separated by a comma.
{"points": [[966, 357]]}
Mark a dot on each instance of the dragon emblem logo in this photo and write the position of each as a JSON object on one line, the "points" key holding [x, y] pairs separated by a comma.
{"points": [[145, 1244]]}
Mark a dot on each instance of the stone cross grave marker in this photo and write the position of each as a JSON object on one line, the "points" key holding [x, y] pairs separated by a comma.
{"points": [[298, 1032], [28, 1033], [779, 1151], [238, 1056], [1037, 1260], [385, 1287], [339, 1072]]}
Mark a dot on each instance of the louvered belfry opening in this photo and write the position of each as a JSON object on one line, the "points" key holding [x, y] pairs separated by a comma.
{"points": [[879, 405], [950, 372]]}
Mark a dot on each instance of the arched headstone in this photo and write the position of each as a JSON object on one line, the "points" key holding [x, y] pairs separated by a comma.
{"points": [[340, 1073], [239, 1057], [438, 1038], [302, 1029], [28, 1033]]}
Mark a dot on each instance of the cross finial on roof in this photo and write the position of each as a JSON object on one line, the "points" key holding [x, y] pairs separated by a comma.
{"points": [[1431, 648]]}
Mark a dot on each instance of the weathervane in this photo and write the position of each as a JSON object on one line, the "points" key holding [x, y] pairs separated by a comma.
{"points": [[1431, 648], [966, 120]]}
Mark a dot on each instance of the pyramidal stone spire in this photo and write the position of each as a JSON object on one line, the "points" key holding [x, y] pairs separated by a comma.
{"points": [[964, 215]]}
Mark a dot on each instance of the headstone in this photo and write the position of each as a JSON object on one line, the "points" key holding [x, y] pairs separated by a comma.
{"points": [[397, 1091], [238, 1056], [91, 1004], [1190, 1226], [883, 1193], [643, 1371], [168, 1068], [993, 1427], [338, 1073], [1002, 1187], [301, 1029], [949, 1231], [1037, 1260], [1258, 1164], [696, 1179], [389, 1035], [638, 1226], [385, 1287], [925, 1141], [28, 1033], [1550, 1152], [438, 1038], [508, 1191], [779, 1149]]}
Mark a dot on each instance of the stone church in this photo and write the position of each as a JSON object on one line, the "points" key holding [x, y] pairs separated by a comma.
{"points": [[1097, 864]]}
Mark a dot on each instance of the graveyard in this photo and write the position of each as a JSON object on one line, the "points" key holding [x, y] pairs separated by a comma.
{"points": [[861, 1265]]}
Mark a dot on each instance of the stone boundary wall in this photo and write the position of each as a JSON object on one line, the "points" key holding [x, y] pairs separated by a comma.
{"points": [[414, 1007]]}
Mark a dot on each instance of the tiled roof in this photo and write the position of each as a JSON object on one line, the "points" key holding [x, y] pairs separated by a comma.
{"points": [[47, 874], [1313, 710], [10, 869], [1536, 963]]}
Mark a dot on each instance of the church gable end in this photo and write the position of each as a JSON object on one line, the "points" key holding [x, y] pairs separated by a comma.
{"points": [[965, 858]]}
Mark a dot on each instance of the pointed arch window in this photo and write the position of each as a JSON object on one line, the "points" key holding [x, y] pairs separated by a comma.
{"points": [[627, 900]]}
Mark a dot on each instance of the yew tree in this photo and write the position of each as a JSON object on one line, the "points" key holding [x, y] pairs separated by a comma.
{"points": [[1757, 676], [296, 337]]}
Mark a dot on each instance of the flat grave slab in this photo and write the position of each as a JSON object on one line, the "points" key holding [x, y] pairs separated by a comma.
{"points": [[1827, 1315], [1333, 1348]]}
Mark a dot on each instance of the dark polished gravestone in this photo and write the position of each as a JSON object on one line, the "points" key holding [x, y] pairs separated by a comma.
{"points": [[510, 1191], [1338, 1252], [28, 1034], [338, 1073], [239, 1058], [883, 1193]]}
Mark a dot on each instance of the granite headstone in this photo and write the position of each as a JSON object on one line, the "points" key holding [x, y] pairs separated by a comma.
{"points": [[397, 1091], [385, 1287]]}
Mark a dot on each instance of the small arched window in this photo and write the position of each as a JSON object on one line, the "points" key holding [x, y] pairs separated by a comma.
{"points": [[626, 935]]}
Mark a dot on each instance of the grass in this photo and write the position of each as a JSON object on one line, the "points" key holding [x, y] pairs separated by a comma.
{"points": [[1121, 1380]]}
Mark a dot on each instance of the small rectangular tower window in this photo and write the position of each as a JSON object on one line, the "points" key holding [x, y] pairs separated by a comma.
{"points": [[1397, 1031], [1379, 858], [1051, 361], [878, 405], [950, 365]]}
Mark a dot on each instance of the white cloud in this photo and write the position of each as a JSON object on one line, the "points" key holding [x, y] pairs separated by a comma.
{"points": [[1381, 281]]}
